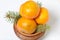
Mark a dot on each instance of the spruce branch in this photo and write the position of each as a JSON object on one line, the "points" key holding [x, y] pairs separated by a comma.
{"points": [[42, 28], [12, 16]]}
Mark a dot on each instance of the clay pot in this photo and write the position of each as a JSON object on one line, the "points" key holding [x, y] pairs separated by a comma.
{"points": [[24, 36]]}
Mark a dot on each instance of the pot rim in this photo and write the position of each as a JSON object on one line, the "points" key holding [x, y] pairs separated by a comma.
{"points": [[25, 34]]}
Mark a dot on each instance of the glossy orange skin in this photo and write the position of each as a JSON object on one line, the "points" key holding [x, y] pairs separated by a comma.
{"points": [[29, 9], [43, 16], [26, 25]]}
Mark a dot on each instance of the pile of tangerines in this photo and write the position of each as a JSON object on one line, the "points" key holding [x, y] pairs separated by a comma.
{"points": [[32, 15]]}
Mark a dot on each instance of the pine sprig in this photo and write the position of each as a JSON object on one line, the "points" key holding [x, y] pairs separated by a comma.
{"points": [[42, 28], [12, 16], [39, 3]]}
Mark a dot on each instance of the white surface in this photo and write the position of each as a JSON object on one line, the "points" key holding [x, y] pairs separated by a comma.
{"points": [[6, 29]]}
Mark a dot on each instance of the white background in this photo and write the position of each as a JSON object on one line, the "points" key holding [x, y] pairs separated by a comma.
{"points": [[6, 28]]}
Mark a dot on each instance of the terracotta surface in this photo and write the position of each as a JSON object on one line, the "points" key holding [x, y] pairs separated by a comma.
{"points": [[24, 36]]}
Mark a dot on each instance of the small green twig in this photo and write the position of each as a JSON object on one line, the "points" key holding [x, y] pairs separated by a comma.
{"points": [[12, 16], [42, 28], [39, 3]]}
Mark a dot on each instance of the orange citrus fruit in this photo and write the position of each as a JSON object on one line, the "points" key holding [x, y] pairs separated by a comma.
{"points": [[43, 16], [29, 9], [26, 25]]}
